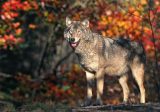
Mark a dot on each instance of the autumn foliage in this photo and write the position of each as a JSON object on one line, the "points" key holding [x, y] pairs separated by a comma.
{"points": [[131, 20], [137, 20], [11, 13]]}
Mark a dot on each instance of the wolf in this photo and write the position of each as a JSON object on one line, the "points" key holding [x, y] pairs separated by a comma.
{"points": [[100, 56]]}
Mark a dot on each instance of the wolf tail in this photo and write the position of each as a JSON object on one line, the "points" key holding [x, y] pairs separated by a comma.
{"points": [[138, 49], [135, 48]]}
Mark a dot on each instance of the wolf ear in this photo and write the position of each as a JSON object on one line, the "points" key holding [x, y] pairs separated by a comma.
{"points": [[68, 21], [85, 23]]}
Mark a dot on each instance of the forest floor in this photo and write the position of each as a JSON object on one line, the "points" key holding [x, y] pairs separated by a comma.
{"points": [[40, 107], [21, 93], [149, 107]]}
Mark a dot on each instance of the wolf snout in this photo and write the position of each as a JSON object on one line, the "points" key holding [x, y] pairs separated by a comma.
{"points": [[71, 39]]}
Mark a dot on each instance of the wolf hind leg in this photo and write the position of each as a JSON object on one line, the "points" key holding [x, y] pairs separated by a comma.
{"points": [[138, 73], [123, 82]]}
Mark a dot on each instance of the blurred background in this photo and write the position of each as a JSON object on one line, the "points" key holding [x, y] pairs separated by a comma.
{"points": [[37, 64]]}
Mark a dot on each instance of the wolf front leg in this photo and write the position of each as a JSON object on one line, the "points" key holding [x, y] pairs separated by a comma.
{"points": [[100, 85], [90, 82]]}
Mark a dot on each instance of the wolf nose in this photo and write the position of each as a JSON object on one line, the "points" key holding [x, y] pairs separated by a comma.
{"points": [[71, 39]]}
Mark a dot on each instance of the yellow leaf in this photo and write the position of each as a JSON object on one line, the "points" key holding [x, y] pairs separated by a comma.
{"points": [[2, 41], [143, 2]]}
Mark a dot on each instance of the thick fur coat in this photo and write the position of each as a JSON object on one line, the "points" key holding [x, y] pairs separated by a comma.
{"points": [[101, 56]]}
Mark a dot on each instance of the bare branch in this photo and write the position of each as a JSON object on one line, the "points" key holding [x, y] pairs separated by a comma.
{"points": [[5, 75]]}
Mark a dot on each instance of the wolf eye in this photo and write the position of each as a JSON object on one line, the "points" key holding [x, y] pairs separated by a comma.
{"points": [[78, 31]]}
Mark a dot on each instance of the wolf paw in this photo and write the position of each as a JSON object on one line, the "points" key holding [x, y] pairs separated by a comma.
{"points": [[98, 102], [125, 103], [87, 102]]}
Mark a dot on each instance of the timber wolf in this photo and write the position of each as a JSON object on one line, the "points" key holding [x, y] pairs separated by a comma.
{"points": [[100, 55]]}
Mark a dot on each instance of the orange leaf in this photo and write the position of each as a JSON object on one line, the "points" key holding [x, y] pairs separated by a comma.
{"points": [[136, 13], [18, 31], [17, 24], [32, 26]]}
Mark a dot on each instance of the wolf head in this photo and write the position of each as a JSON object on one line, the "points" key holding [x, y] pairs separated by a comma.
{"points": [[76, 31]]}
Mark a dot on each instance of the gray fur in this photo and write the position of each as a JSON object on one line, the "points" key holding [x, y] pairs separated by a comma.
{"points": [[101, 55]]}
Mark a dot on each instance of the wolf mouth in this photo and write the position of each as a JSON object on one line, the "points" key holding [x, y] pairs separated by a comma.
{"points": [[74, 44]]}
